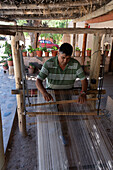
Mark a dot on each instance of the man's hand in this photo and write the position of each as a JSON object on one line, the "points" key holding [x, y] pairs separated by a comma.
{"points": [[47, 96], [82, 98]]}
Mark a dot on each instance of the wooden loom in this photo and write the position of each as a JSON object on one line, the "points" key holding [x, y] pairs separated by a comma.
{"points": [[72, 143], [62, 102]]}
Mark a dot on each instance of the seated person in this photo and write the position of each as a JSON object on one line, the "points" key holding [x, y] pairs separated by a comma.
{"points": [[61, 72]]}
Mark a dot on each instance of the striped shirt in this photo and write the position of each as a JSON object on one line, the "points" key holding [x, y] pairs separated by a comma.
{"points": [[56, 78]]}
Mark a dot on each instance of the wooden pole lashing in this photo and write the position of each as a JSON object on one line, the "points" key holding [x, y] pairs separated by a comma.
{"points": [[2, 156]]}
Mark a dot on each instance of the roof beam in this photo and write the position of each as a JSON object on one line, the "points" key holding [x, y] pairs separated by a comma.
{"points": [[101, 11], [8, 20], [44, 17], [49, 5], [32, 12], [13, 28]]}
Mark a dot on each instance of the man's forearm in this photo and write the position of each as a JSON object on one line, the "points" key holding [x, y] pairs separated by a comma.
{"points": [[40, 86], [84, 85]]}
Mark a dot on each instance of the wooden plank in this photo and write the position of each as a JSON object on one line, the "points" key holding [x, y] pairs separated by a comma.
{"points": [[16, 28], [101, 11], [2, 157]]}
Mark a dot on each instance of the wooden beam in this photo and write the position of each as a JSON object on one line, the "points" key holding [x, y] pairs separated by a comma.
{"points": [[59, 102], [101, 11], [95, 61], [49, 5], [45, 17], [7, 20], [103, 18], [38, 12], [84, 46], [2, 157], [14, 28], [74, 40], [62, 113], [95, 65], [76, 92], [7, 32], [18, 79]]}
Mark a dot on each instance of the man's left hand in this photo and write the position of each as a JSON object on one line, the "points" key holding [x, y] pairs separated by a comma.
{"points": [[82, 98]]}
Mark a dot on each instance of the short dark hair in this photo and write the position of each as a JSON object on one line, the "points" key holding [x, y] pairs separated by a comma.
{"points": [[66, 48]]}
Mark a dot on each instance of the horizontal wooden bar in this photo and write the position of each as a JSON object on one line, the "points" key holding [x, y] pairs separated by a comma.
{"points": [[63, 113], [60, 102], [34, 91], [56, 30]]}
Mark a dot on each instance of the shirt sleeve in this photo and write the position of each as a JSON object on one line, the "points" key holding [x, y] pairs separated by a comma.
{"points": [[43, 72], [80, 72]]}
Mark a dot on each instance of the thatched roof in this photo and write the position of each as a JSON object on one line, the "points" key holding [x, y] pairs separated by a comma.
{"points": [[48, 9]]}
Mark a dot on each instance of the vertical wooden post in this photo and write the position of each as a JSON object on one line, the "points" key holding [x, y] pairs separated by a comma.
{"points": [[2, 157], [74, 39], [95, 63], [84, 46], [18, 79]]}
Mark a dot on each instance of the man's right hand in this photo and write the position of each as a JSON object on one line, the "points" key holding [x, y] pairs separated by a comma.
{"points": [[47, 96]]}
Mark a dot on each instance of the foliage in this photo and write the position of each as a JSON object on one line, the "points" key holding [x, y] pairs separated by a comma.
{"points": [[10, 59], [31, 49], [5, 65], [58, 24], [54, 48], [2, 61], [77, 49], [24, 50], [39, 49], [4, 57], [45, 49], [7, 48], [23, 22], [89, 49]]}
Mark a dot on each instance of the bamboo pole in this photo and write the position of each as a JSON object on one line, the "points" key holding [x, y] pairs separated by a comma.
{"points": [[18, 78], [2, 157], [60, 102]]}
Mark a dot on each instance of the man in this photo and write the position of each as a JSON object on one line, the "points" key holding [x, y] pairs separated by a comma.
{"points": [[61, 73]]}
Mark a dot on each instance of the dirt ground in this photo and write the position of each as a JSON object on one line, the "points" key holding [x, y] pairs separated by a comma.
{"points": [[22, 151]]}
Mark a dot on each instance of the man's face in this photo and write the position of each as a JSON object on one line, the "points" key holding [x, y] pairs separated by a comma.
{"points": [[63, 59]]}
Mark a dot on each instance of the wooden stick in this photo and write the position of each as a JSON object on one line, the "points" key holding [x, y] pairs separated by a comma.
{"points": [[62, 113], [60, 102], [20, 91]]}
